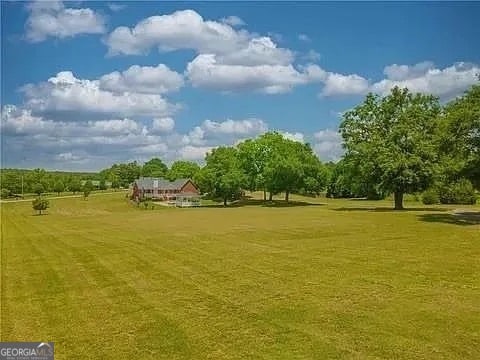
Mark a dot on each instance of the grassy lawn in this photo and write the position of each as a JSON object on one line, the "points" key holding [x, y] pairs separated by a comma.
{"points": [[337, 279]]}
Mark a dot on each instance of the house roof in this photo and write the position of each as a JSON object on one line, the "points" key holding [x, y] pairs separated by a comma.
{"points": [[164, 184]]}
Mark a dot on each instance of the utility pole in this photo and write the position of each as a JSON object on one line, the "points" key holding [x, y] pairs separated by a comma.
{"points": [[22, 187]]}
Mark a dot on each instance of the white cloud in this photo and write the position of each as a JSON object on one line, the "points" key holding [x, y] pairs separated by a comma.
{"points": [[338, 84], [163, 125], [116, 7], [186, 29], [22, 122], [114, 127], [304, 37], [404, 72], [233, 21], [328, 145], [258, 51], [142, 79], [224, 132], [311, 56], [52, 19], [64, 93], [90, 144], [69, 157], [194, 153], [205, 71], [235, 127], [425, 78]]}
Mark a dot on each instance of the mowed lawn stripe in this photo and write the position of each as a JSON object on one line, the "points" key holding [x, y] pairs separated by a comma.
{"points": [[247, 282]]}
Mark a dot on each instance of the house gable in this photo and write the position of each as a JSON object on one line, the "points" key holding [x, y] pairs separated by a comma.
{"points": [[189, 187]]}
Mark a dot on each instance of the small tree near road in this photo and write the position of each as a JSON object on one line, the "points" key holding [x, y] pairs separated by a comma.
{"points": [[39, 204], [87, 189], [58, 187]]}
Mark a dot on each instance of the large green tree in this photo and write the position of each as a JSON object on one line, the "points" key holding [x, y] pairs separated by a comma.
{"points": [[460, 138], [393, 139], [74, 185], [222, 176], [155, 168], [253, 155], [58, 187], [183, 170]]}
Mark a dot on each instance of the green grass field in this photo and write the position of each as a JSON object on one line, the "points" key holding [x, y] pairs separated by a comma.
{"points": [[336, 279]]}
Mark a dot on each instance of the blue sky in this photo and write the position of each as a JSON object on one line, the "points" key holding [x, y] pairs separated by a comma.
{"points": [[86, 84]]}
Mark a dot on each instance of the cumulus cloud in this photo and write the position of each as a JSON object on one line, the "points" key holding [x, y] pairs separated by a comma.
{"points": [[186, 29], [66, 94], [116, 7], [53, 19], [142, 79], [205, 71], [228, 131], [163, 125], [194, 153], [69, 157], [32, 140], [403, 72], [425, 78], [338, 84], [328, 145], [311, 56], [233, 21]]}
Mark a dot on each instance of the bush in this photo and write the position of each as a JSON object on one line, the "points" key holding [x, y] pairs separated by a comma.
{"points": [[430, 197], [460, 192], [40, 204]]}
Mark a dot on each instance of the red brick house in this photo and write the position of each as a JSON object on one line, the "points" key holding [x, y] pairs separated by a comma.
{"points": [[163, 189]]}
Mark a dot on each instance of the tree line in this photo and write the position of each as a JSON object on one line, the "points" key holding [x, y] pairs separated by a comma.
{"points": [[39, 181], [401, 143]]}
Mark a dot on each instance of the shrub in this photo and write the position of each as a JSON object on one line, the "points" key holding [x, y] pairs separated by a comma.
{"points": [[460, 192], [430, 197], [40, 204]]}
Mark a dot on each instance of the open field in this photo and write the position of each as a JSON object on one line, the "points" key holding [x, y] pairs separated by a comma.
{"points": [[336, 279]]}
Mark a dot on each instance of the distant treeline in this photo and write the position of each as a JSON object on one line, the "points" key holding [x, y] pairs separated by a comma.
{"points": [[40, 180]]}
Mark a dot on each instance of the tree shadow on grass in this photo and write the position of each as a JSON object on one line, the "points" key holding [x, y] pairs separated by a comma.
{"points": [[458, 218], [389, 209], [262, 203]]}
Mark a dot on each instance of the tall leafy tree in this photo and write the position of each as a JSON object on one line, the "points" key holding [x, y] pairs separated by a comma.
{"points": [[290, 166], [253, 156], [58, 187], [87, 189], [222, 176], [460, 138], [38, 188], [155, 168], [75, 185], [393, 138], [183, 170]]}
